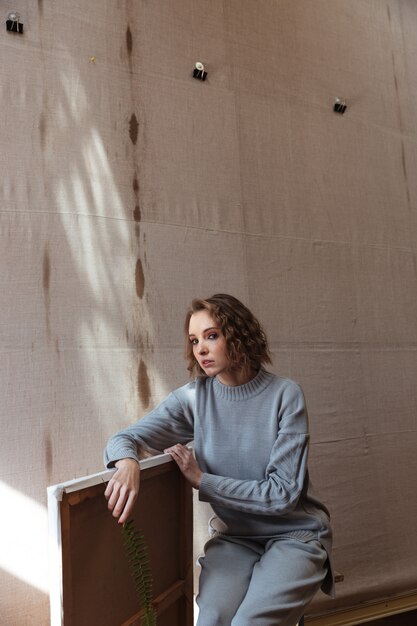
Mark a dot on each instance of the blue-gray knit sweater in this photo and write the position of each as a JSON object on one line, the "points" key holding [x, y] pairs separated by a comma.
{"points": [[251, 443]]}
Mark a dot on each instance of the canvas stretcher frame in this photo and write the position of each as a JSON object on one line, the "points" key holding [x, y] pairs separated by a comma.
{"points": [[89, 570]]}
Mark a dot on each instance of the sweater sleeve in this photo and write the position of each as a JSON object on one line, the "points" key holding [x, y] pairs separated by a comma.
{"points": [[170, 422], [278, 492]]}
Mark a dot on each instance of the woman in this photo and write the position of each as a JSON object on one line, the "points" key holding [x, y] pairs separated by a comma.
{"points": [[269, 553]]}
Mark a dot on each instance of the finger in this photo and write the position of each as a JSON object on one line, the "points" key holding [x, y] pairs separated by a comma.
{"points": [[185, 461], [120, 504], [171, 449], [128, 508], [176, 446], [109, 488], [175, 457], [117, 493], [181, 451]]}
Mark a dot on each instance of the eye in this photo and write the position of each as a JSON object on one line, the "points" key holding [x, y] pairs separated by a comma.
{"points": [[213, 336], [194, 342]]}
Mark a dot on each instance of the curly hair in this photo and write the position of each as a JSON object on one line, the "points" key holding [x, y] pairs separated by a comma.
{"points": [[247, 346]]}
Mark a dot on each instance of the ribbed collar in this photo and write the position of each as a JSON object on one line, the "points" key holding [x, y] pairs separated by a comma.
{"points": [[243, 392]]}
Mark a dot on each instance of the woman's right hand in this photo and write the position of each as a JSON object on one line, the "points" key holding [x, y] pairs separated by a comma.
{"points": [[123, 488]]}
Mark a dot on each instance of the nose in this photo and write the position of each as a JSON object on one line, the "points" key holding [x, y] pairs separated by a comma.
{"points": [[202, 348]]}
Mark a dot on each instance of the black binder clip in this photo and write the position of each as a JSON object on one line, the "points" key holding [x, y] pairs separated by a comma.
{"points": [[13, 23], [199, 71], [339, 106]]}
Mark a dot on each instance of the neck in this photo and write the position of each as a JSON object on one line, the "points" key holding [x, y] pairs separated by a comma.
{"points": [[234, 378]]}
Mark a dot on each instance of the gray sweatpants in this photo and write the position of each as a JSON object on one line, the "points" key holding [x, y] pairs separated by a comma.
{"points": [[267, 582]]}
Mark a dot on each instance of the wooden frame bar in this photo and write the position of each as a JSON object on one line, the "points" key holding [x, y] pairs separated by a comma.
{"points": [[366, 613]]}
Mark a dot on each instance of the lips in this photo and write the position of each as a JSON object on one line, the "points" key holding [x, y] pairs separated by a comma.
{"points": [[207, 363]]}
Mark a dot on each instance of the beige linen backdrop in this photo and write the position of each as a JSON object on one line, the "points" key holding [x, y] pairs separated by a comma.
{"points": [[127, 188]]}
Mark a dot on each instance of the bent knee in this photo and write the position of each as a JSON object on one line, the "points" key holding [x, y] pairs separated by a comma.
{"points": [[213, 616]]}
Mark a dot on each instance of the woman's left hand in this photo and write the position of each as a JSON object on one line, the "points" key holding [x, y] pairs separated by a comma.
{"points": [[185, 460]]}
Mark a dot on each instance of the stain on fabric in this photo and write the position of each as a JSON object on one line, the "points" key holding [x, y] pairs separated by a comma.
{"points": [[136, 213], [133, 129], [394, 72], [129, 40], [48, 455], [139, 279], [404, 166], [403, 161], [396, 83], [401, 125], [40, 6], [46, 280], [144, 388], [46, 271], [42, 130], [388, 13]]}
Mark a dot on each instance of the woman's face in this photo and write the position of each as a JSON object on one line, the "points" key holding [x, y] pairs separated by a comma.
{"points": [[209, 345]]}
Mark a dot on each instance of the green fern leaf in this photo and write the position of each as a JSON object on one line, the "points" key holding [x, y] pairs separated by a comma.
{"points": [[137, 554]]}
